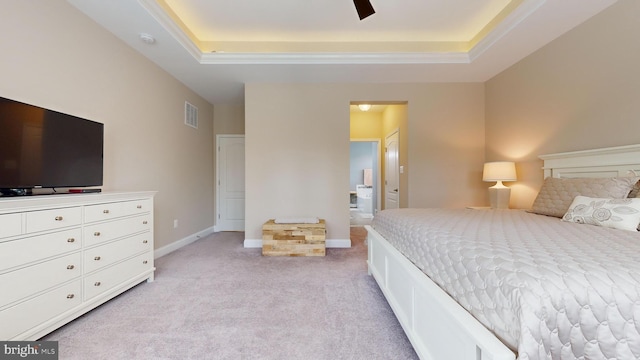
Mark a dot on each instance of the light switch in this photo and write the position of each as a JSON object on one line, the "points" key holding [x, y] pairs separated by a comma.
{"points": [[401, 169]]}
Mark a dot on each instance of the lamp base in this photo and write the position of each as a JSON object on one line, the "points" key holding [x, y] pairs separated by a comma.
{"points": [[499, 197]]}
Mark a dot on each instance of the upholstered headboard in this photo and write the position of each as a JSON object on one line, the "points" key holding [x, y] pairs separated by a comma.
{"points": [[604, 162]]}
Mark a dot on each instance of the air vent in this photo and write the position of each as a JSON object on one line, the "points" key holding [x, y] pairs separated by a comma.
{"points": [[190, 115]]}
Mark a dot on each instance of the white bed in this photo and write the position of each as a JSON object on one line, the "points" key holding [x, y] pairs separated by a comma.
{"points": [[439, 327]]}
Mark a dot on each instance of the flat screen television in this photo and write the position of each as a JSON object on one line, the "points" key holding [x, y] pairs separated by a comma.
{"points": [[41, 148]]}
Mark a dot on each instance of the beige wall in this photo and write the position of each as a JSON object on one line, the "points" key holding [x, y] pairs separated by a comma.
{"points": [[55, 57], [228, 119], [578, 92], [297, 148]]}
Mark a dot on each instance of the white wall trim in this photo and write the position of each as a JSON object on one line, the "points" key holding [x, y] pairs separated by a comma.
{"points": [[182, 242], [252, 243], [329, 243], [338, 243], [336, 58], [517, 16], [161, 16]]}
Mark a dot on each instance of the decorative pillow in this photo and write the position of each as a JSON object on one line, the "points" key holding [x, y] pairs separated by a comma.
{"points": [[612, 213], [557, 194]]}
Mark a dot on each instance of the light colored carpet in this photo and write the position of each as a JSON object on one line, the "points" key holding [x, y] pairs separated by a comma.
{"points": [[214, 299]]}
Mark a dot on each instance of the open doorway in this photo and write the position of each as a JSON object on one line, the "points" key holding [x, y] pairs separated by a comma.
{"points": [[377, 124], [363, 183]]}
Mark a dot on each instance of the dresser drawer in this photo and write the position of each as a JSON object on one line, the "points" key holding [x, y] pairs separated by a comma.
{"points": [[108, 211], [104, 280], [10, 225], [35, 278], [53, 219], [26, 315], [107, 254], [27, 250], [98, 233]]}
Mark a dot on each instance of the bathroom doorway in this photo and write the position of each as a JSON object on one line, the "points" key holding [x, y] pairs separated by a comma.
{"points": [[372, 122], [364, 180]]}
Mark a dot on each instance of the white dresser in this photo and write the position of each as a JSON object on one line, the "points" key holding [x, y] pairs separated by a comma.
{"points": [[63, 255]]}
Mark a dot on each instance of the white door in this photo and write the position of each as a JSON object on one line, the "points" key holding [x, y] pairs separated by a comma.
{"points": [[391, 172], [230, 192]]}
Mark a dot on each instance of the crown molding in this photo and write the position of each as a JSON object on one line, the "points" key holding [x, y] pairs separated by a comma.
{"points": [[167, 22], [334, 58], [517, 16]]}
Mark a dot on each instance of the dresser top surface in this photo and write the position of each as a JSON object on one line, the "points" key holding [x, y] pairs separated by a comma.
{"points": [[37, 202]]}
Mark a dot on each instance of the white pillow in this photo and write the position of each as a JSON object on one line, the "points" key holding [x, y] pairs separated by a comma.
{"points": [[612, 213]]}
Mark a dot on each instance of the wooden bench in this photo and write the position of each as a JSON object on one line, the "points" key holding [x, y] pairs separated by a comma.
{"points": [[293, 239]]}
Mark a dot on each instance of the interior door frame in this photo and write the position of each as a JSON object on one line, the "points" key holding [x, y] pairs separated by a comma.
{"points": [[395, 131], [379, 186], [217, 180]]}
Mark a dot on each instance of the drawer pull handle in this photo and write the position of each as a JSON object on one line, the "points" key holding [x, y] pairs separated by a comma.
{"points": [[145, 222], [70, 296], [144, 241], [70, 240], [97, 233], [97, 283], [97, 258], [70, 267], [106, 211], [58, 218], [145, 262], [139, 206]]}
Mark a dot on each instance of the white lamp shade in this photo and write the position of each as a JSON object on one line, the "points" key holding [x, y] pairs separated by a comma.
{"points": [[499, 171]]}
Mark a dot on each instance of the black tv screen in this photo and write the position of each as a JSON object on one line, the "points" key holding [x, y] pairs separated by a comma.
{"points": [[42, 148]]}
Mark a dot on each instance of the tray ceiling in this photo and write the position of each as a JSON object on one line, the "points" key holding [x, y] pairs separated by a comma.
{"points": [[215, 46]]}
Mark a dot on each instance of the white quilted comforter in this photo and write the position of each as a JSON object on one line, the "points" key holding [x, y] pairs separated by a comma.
{"points": [[548, 289]]}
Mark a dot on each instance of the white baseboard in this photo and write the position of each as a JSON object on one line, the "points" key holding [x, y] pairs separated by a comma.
{"points": [[338, 243], [252, 243], [218, 228], [182, 242], [329, 243]]}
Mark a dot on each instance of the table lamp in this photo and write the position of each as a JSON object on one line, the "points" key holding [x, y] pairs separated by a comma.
{"points": [[499, 171]]}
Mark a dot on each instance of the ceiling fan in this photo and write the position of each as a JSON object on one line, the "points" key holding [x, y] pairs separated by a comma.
{"points": [[364, 8]]}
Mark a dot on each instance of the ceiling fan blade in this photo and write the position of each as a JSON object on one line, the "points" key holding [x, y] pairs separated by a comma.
{"points": [[364, 8]]}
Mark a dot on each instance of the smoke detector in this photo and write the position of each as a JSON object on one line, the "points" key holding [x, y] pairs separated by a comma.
{"points": [[147, 38]]}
